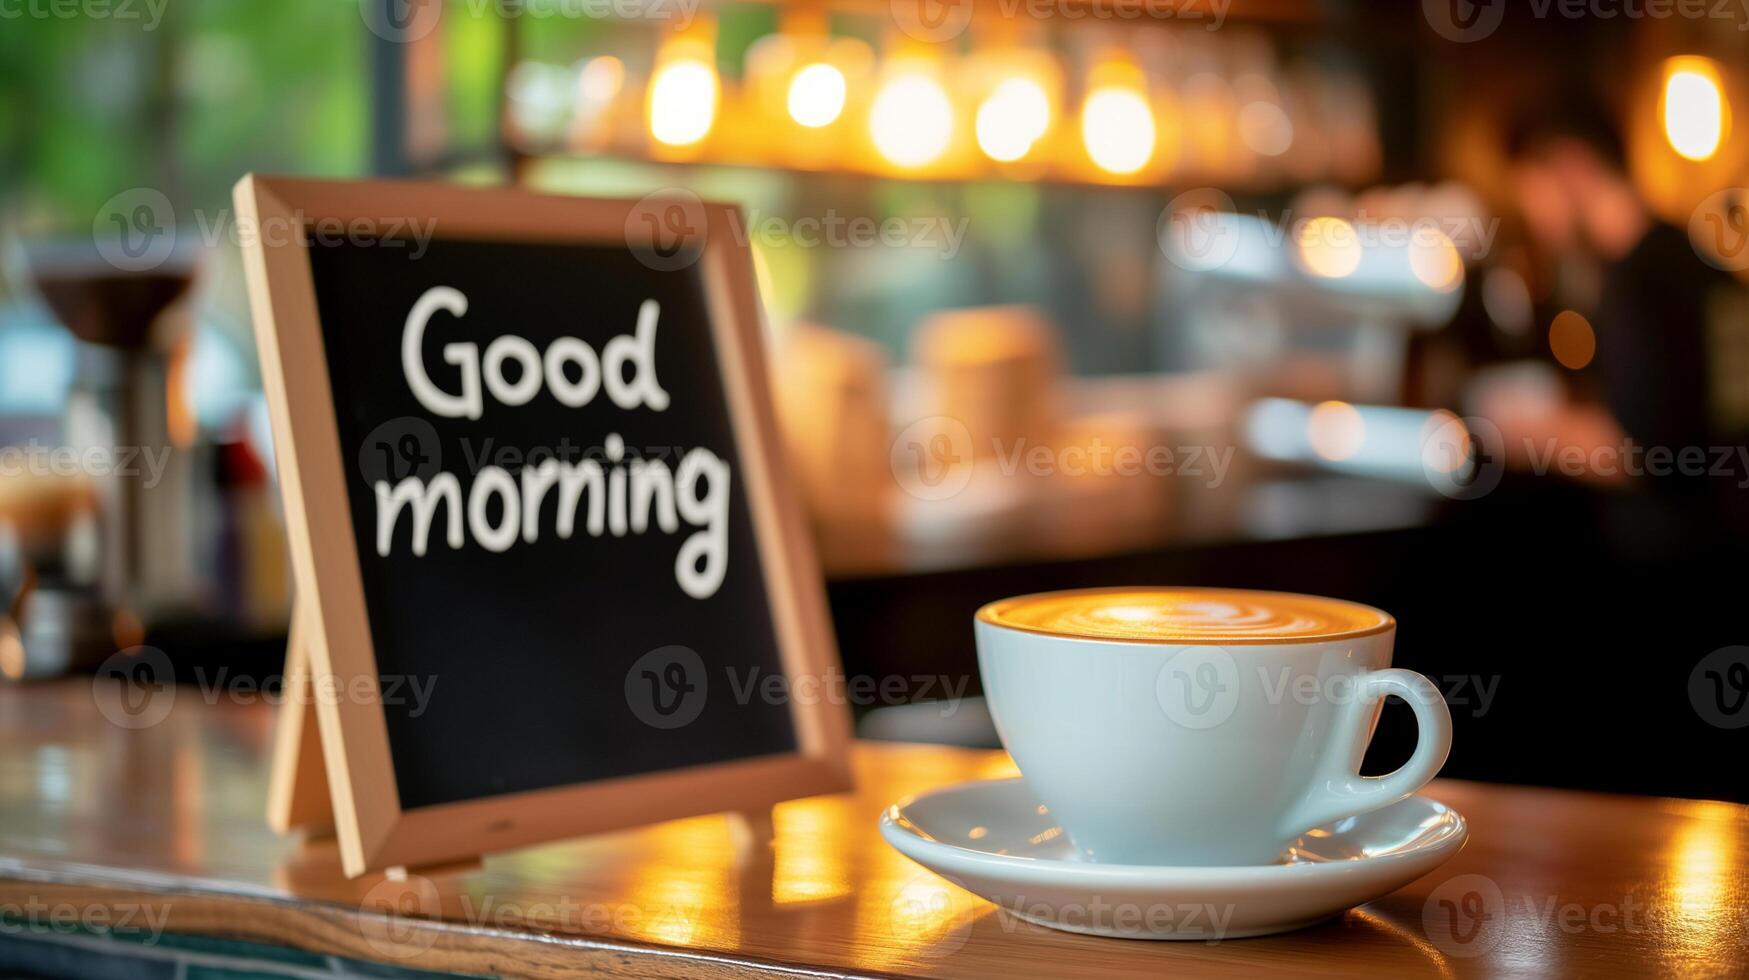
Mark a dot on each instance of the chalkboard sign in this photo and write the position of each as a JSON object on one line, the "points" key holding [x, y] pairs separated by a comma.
{"points": [[551, 579]]}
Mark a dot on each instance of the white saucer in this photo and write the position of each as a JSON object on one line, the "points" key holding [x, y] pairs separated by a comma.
{"points": [[993, 838]]}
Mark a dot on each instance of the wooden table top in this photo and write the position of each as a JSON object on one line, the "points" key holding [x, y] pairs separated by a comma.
{"points": [[166, 822]]}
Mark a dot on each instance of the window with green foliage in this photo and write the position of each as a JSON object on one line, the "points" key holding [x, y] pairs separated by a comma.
{"points": [[178, 95]]}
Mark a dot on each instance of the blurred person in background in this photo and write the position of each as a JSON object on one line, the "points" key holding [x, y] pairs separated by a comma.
{"points": [[1639, 352]]}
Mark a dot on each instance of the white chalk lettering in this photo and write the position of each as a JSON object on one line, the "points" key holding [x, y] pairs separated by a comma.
{"points": [[619, 493], [635, 351]]}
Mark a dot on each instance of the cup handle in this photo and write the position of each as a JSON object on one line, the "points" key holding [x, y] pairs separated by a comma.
{"points": [[1339, 790]]}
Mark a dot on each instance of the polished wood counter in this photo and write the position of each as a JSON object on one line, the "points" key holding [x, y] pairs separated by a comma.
{"points": [[164, 824]]}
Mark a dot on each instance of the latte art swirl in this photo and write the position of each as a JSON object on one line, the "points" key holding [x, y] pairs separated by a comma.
{"points": [[1186, 615]]}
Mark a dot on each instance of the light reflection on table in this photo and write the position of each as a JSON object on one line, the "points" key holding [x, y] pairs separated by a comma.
{"points": [[172, 815]]}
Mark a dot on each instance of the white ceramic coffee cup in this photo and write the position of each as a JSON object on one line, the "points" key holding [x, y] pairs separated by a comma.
{"points": [[1193, 753]]}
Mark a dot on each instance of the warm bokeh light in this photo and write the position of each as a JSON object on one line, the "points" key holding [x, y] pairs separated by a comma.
{"points": [[125, 629], [1335, 430], [1445, 443], [1012, 119], [816, 95], [1572, 340], [683, 102], [601, 79], [1003, 104], [912, 120], [686, 877], [1706, 865], [12, 662], [1265, 128], [1000, 766], [179, 418], [928, 909], [1329, 247], [1118, 129], [1506, 298], [811, 844], [1434, 260], [1693, 108]]}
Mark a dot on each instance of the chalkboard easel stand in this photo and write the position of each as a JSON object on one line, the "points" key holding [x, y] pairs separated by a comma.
{"points": [[322, 365], [297, 789], [298, 801]]}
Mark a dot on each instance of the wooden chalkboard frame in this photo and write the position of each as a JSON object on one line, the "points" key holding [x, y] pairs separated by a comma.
{"points": [[331, 627]]}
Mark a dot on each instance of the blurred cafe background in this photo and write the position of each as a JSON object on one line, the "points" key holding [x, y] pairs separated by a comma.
{"points": [[1430, 309]]}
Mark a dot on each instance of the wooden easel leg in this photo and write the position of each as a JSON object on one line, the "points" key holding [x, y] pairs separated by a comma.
{"points": [[297, 789], [448, 869], [752, 831]]}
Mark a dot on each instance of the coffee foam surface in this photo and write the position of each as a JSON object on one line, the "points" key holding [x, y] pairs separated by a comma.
{"points": [[1186, 615]]}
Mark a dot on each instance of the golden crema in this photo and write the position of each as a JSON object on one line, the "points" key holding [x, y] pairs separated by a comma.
{"points": [[1186, 615]]}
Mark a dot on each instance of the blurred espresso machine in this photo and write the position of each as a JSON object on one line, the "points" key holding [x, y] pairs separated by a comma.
{"points": [[97, 540]]}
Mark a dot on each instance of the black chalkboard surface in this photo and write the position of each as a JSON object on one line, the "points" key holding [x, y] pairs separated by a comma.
{"points": [[544, 550], [577, 613]]}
